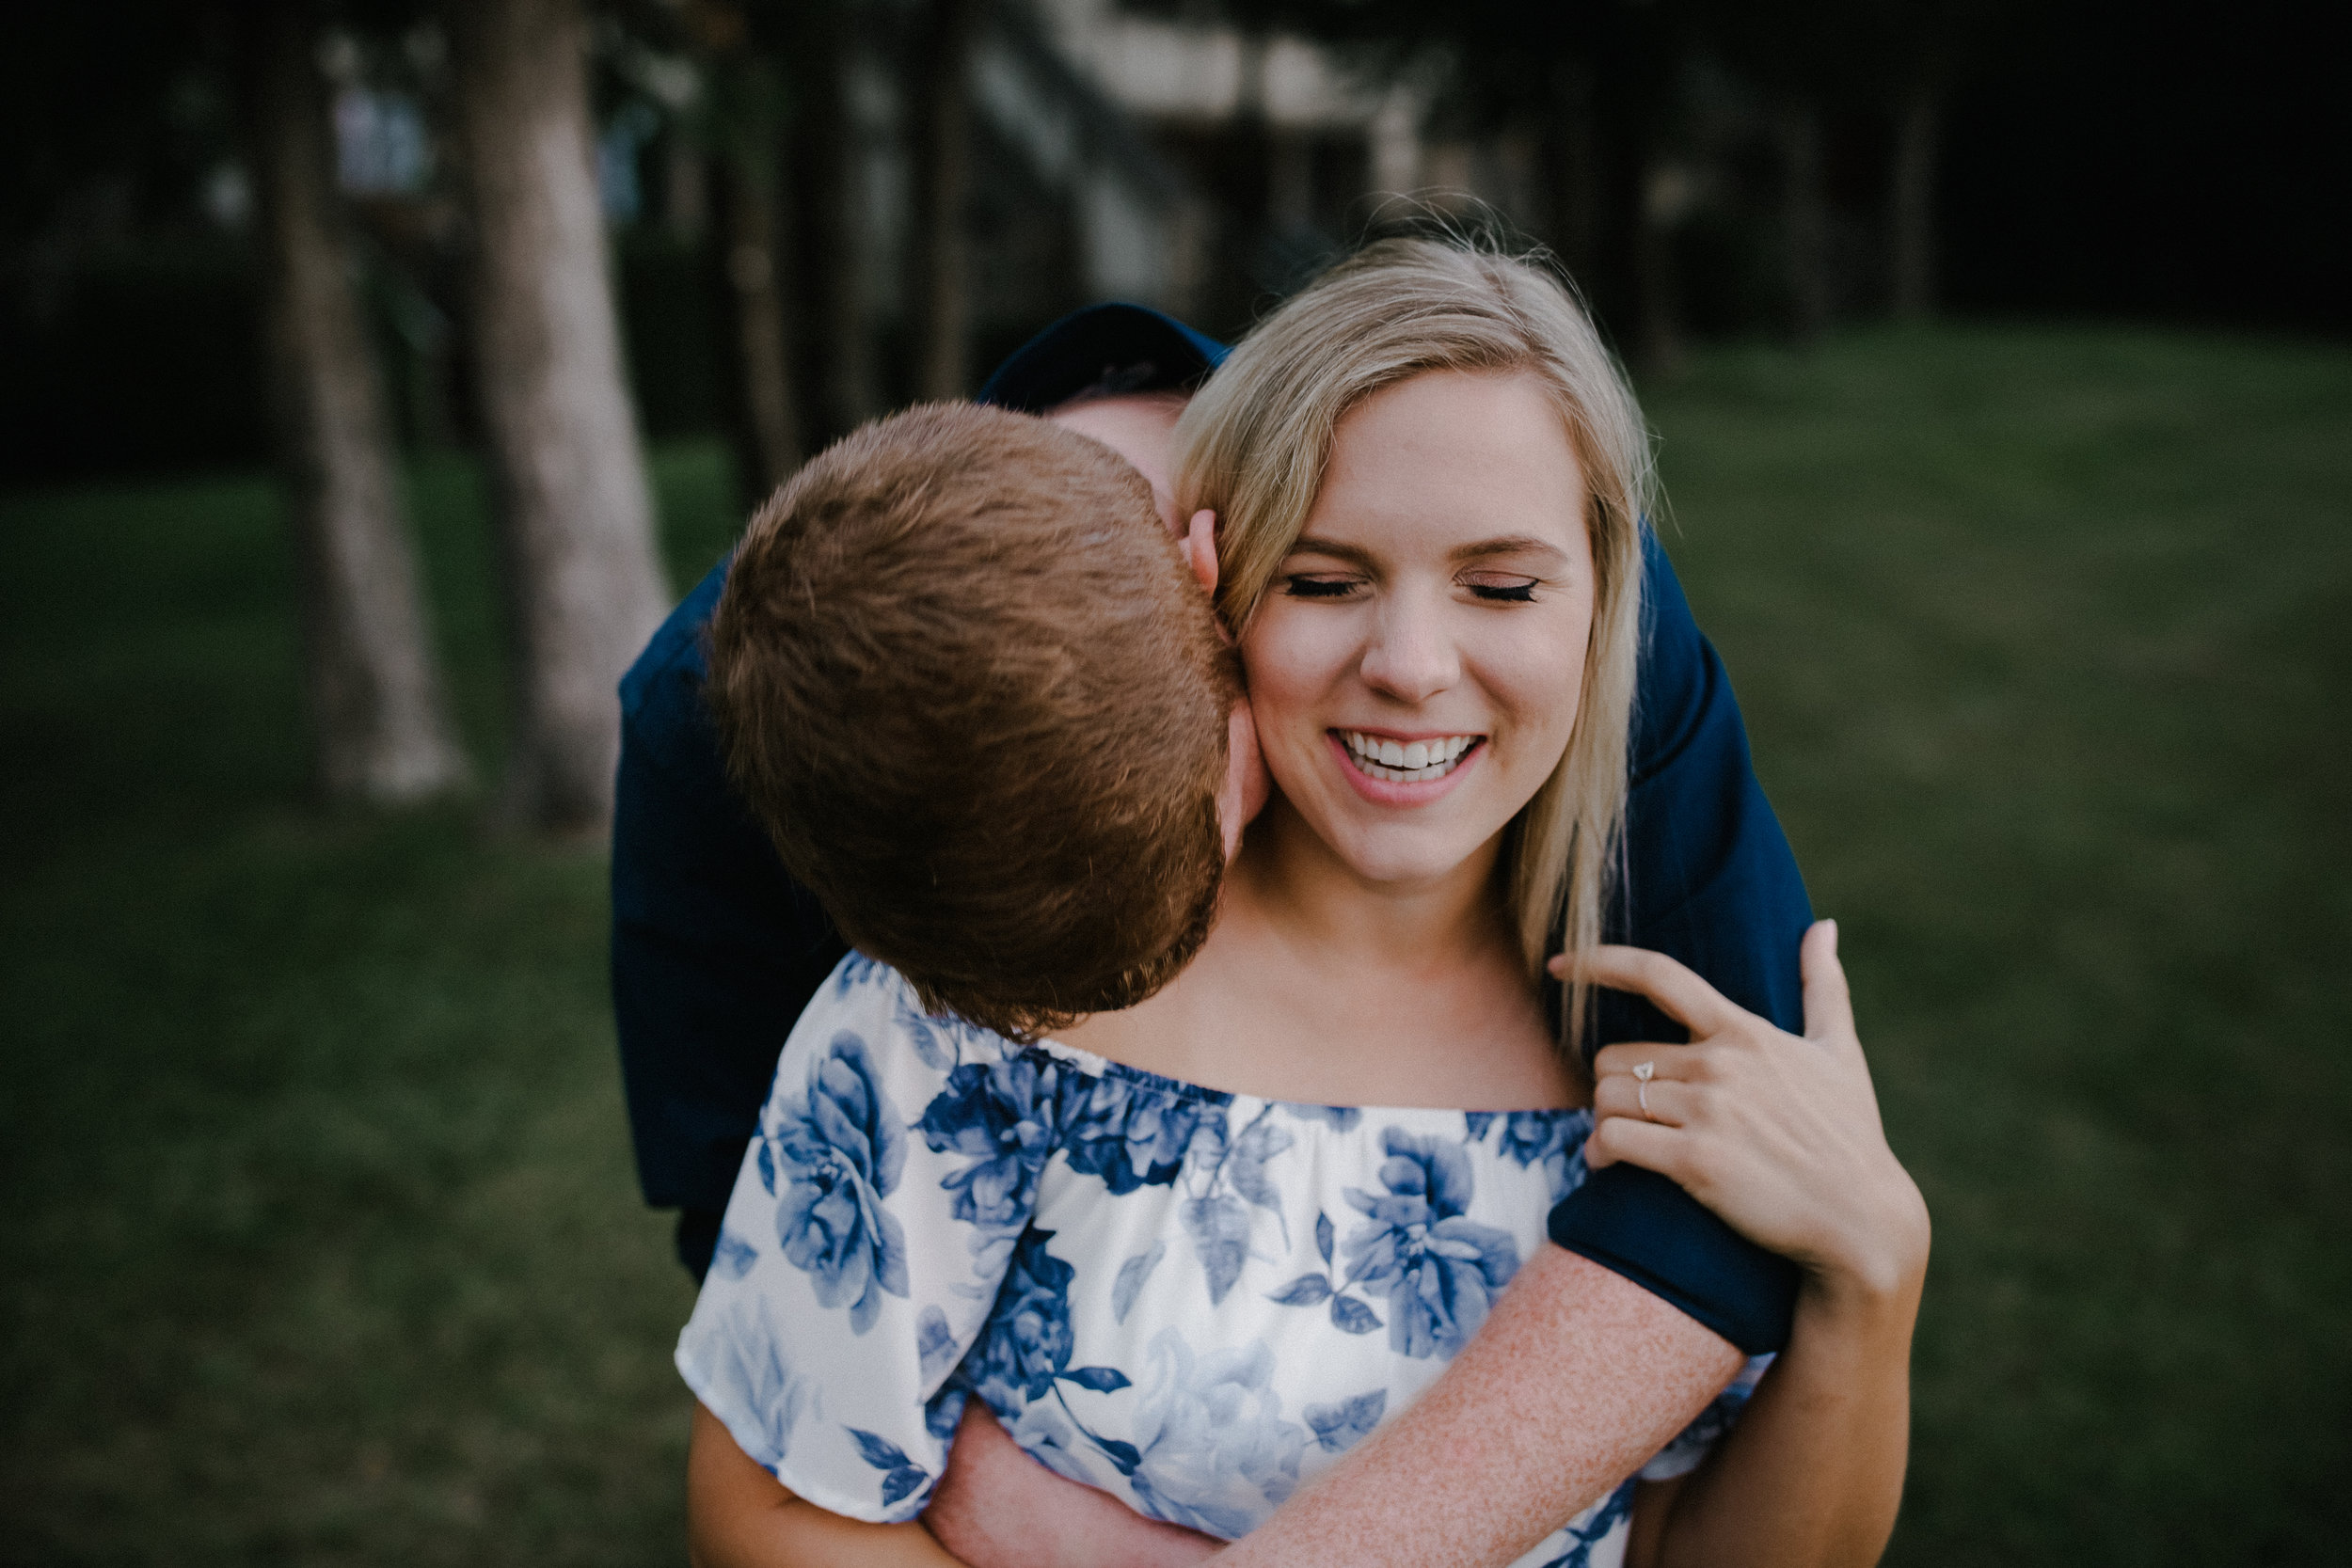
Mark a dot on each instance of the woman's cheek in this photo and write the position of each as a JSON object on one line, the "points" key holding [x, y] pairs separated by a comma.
{"points": [[1537, 683], [1292, 663]]}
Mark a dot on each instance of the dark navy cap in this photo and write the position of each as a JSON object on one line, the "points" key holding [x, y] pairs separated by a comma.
{"points": [[1107, 349]]}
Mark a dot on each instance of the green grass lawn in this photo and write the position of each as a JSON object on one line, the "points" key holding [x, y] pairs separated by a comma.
{"points": [[320, 1241]]}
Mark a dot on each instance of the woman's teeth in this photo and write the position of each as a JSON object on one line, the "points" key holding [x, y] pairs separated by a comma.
{"points": [[1398, 762]]}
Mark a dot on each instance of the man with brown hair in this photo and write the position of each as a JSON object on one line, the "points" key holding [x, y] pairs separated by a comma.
{"points": [[969, 687]]}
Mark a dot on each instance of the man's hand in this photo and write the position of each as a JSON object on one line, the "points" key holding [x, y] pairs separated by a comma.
{"points": [[998, 1508]]}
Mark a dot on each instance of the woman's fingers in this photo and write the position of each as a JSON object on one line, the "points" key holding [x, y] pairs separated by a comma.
{"points": [[1679, 993], [1828, 1003], [1650, 1145], [1658, 1099]]}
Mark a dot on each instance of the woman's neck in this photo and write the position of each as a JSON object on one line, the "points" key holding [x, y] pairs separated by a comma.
{"points": [[1287, 880], [1320, 986]]}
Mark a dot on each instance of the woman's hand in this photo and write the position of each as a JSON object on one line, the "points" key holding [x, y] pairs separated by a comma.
{"points": [[1777, 1133]]}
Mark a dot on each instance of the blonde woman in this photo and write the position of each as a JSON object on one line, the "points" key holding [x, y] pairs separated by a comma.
{"points": [[1201, 1255]]}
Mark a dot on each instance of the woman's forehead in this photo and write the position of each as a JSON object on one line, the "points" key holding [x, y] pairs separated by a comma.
{"points": [[1451, 462]]}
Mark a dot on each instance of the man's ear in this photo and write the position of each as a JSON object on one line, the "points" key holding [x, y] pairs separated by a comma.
{"points": [[1200, 549]]}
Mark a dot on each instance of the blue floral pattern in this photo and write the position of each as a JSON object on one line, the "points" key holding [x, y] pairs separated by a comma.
{"points": [[830, 1158], [1193, 1300]]}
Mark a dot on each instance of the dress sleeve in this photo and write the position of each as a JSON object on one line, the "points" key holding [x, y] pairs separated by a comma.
{"points": [[893, 1168], [1691, 1445]]}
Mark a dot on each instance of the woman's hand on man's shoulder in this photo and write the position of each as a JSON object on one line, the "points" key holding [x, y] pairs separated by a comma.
{"points": [[1778, 1133]]}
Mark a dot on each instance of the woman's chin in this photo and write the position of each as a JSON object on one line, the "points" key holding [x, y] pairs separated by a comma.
{"points": [[1402, 857], [1397, 837]]}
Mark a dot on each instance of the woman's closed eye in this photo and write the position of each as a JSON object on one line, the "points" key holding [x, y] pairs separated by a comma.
{"points": [[1492, 587], [1319, 585], [1502, 587]]}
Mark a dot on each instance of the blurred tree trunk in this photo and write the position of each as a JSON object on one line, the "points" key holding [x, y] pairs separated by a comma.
{"points": [[741, 134], [584, 590], [1656, 292], [756, 260], [379, 728], [1910, 203], [941, 290], [1572, 159], [826, 167], [1803, 221]]}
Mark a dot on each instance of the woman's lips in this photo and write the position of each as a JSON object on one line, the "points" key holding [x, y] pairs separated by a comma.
{"points": [[1400, 792]]}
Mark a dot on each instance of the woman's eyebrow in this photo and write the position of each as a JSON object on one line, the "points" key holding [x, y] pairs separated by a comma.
{"points": [[1514, 543], [1305, 545], [1510, 544]]}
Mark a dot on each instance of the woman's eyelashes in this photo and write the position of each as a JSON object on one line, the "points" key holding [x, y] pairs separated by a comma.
{"points": [[1491, 587], [1306, 585], [1502, 587]]}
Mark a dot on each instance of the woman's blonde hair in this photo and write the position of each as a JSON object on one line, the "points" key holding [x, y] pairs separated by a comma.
{"points": [[1254, 444]]}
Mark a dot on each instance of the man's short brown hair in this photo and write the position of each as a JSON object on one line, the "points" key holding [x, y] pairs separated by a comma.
{"points": [[968, 686]]}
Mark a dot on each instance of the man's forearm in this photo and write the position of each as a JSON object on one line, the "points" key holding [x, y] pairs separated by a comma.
{"points": [[1574, 1382]]}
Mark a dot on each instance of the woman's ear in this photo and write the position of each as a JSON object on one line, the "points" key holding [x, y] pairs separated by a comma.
{"points": [[1200, 549]]}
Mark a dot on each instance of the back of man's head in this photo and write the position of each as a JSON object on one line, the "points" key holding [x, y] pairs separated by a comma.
{"points": [[968, 686]]}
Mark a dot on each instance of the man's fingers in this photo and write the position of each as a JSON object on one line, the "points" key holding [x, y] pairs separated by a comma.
{"points": [[1679, 993], [1828, 1004]]}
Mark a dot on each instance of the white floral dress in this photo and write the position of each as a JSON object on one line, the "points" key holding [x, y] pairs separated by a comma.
{"points": [[1193, 1300]]}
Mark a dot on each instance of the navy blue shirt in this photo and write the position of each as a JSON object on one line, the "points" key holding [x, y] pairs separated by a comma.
{"points": [[716, 949]]}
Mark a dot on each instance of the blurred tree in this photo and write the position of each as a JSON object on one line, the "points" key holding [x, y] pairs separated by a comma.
{"points": [[819, 49], [941, 256], [1803, 54], [742, 121], [1593, 83], [1930, 43], [758, 265], [1896, 60], [584, 584], [379, 728]]}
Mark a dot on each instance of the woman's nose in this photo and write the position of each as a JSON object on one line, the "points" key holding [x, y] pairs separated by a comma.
{"points": [[1410, 658]]}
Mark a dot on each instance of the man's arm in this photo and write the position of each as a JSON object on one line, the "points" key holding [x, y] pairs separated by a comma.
{"points": [[715, 949], [1575, 1379]]}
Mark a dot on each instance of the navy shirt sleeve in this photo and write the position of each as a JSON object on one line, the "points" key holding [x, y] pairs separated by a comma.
{"points": [[1709, 880], [715, 949]]}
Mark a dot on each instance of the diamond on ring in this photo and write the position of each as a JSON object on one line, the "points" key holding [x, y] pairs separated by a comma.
{"points": [[1642, 1076]]}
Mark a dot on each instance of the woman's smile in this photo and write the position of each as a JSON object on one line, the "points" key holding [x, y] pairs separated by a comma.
{"points": [[1389, 771]]}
